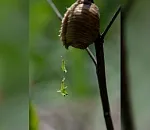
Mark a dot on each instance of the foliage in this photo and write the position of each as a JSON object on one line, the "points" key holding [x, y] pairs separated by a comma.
{"points": [[33, 118]]}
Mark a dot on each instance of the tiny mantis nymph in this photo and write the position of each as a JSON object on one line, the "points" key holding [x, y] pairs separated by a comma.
{"points": [[63, 88]]}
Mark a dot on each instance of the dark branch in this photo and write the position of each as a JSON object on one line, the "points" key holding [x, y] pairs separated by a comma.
{"points": [[126, 108], [102, 82], [60, 17], [110, 23], [101, 74]]}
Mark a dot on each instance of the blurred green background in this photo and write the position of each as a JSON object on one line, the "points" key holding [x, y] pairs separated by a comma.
{"points": [[30, 57]]}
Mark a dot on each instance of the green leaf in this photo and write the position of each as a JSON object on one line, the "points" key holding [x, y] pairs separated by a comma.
{"points": [[33, 118]]}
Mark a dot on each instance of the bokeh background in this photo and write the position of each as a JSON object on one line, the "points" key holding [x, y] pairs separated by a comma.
{"points": [[30, 57]]}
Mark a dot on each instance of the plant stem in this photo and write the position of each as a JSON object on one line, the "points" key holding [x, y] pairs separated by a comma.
{"points": [[100, 68], [126, 108], [55, 9], [111, 22], [102, 82], [91, 55]]}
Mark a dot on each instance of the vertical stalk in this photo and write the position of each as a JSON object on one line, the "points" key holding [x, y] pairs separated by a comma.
{"points": [[101, 76]]}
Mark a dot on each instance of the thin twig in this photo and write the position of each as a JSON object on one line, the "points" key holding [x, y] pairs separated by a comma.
{"points": [[91, 55], [55, 9], [111, 22], [60, 18]]}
